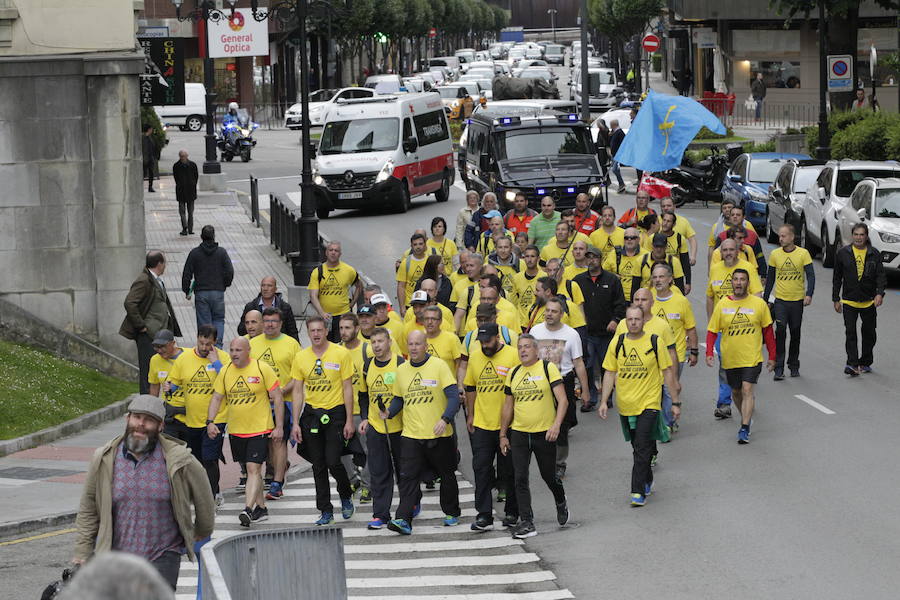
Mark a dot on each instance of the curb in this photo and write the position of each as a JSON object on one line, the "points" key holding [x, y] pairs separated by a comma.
{"points": [[17, 528], [76, 425]]}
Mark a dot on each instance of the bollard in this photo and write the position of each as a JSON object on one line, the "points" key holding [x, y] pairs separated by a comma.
{"points": [[254, 200]]}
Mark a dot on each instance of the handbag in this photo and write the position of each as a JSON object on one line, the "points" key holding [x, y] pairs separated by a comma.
{"points": [[660, 430]]}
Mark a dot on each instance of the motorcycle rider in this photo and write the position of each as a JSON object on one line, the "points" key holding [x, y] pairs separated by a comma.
{"points": [[231, 116]]}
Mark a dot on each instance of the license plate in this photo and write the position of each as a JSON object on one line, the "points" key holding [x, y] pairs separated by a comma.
{"points": [[350, 195]]}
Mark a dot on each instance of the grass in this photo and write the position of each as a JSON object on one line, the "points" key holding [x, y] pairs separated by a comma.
{"points": [[39, 390]]}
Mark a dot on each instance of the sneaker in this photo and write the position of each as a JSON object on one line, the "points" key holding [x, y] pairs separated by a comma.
{"points": [[400, 526], [621, 189], [510, 520], [451, 521], [267, 484], [242, 484], [365, 496], [743, 436], [674, 427], [851, 371], [327, 518], [429, 485], [795, 372], [779, 375], [562, 513], [347, 509], [726, 411], [638, 500], [560, 472], [483, 524], [375, 524], [260, 513], [246, 516], [648, 488], [275, 491], [524, 530], [220, 500], [718, 413], [865, 369], [653, 460], [416, 510], [501, 495]]}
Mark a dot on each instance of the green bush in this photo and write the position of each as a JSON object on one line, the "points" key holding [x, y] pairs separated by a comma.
{"points": [[149, 117], [768, 146], [706, 134], [863, 139], [696, 156]]}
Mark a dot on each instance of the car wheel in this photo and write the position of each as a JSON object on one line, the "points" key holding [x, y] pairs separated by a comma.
{"points": [[771, 233], [194, 123], [442, 194], [805, 242], [402, 202], [830, 249]]}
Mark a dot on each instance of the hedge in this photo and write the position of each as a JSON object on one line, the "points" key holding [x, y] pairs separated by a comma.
{"points": [[859, 135]]}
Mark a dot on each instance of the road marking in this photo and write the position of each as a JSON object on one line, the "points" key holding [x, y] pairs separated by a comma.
{"points": [[458, 185], [444, 562], [311, 504], [38, 537], [814, 404], [16, 482], [449, 580], [263, 179]]}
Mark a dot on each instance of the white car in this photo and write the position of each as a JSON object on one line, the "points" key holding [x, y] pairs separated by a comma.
{"points": [[319, 103], [622, 115], [875, 202], [514, 56], [828, 195]]}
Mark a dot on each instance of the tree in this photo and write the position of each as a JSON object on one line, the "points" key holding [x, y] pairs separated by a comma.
{"points": [[622, 20]]}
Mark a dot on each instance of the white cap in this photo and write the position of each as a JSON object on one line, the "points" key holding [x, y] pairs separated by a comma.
{"points": [[379, 299], [419, 296]]}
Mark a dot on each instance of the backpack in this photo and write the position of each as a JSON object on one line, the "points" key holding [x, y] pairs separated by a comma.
{"points": [[504, 333], [546, 374], [620, 346]]}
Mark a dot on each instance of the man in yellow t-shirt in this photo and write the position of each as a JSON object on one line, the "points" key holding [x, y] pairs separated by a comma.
{"points": [[627, 263], [489, 363], [419, 300], [328, 288], [367, 315], [560, 246], [359, 352], [247, 387], [376, 390], [426, 391], [253, 324], [720, 275], [161, 365], [530, 422], [608, 236], [658, 255], [524, 282], [744, 322], [681, 226], [728, 218], [637, 364], [546, 288], [410, 271], [439, 343], [489, 293]]}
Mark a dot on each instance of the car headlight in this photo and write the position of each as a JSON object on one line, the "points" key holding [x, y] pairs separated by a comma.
{"points": [[510, 196], [385, 172], [889, 238], [594, 191], [317, 179], [245, 132]]}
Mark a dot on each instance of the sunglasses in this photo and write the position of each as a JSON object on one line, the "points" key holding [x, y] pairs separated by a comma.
{"points": [[631, 237], [318, 367]]}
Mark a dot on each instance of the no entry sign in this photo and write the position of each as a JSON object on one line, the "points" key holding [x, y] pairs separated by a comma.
{"points": [[840, 73], [650, 43]]}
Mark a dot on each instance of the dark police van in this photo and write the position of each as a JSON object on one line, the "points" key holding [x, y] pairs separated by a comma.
{"points": [[508, 151]]}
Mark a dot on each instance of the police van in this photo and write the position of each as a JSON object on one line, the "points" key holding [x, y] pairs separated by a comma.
{"points": [[383, 151], [509, 151]]}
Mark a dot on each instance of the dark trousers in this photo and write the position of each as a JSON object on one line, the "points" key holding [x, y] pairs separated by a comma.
{"points": [[855, 358], [178, 430], [569, 421], [485, 446], [522, 445], [788, 316], [169, 565], [644, 447], [325, 448], [145, 353], [208, 452], [439, 456], [595, 350], [334, 330], [148, 174], [383, 462], [186, 212]]}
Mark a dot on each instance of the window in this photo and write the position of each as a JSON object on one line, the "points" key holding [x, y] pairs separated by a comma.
{"points": [[407, 129], [431, 127], [824, 181], [740, 166], [764, 170], [776, 73], [848, 178], [783, 181], [804, 178], [477, 138], [542, 143], [887, 204], [361, 135], [856, 198]]}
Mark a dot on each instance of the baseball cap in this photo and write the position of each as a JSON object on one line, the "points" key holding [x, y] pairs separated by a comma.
{"points": [[145, 404], [487, 331], [366, 309], [163, 337], [379, 299], [419, 296], [591, 249], [492, 213], [660, 239]]}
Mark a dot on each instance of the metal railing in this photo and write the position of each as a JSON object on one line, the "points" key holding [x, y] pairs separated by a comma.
{"points": [[772, 115], [304, 563], [284, 223], [269, 116]]}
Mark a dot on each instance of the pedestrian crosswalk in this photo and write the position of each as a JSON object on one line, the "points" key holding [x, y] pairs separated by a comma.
{"points": [[435, 562]]}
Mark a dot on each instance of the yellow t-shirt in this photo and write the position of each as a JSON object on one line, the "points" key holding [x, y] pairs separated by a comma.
{"points": [[446, 318], [246, 393], [572, 291], [356, 355], [487, 375], [424, 402], [196, 376], [333, 285], [552, 250], [655, 325], [395, 349], [683, 226], [523, 293], [323, 377], [639, 372], [447, 249], [627, 268], [379, 382], [571, 271], [790, 277], [534, 404], [719, 227], [745, 254], [445, 346], [504, 307], [504, 317], [860, 257], [410, 272], [608, 242], [278, 353], [158, 374], [720, 274], [456, 277], [507, 272], [395, 326], [676, 244], [676, 311], [741, 323], [647, 268]]}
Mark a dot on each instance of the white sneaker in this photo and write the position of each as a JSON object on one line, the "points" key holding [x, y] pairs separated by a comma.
{"points": [[220, 500]]}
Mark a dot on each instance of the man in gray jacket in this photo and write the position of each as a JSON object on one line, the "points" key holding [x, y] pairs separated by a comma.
{"points": [[138, 495]]}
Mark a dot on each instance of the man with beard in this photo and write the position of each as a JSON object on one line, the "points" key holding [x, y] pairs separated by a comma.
{"points": [[139, 492]]}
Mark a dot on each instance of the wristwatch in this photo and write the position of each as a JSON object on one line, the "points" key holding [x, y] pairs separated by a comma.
{"points": [[208, 421], [678, 404]]}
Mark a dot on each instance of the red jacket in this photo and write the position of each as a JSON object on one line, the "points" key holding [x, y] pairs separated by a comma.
{"points": [[518, 224], [629, 217], [587, 224]]}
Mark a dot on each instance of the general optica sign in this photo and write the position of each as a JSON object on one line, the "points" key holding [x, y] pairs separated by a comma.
{"points": [[240, 35]]}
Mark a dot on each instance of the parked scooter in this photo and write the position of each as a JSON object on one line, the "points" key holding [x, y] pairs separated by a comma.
{"points": [[698, 183], [236, 137]]}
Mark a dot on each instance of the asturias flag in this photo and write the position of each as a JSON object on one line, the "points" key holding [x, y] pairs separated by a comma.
{"points": [[662, 130]]}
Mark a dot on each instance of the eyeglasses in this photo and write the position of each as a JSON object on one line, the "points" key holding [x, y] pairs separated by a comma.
{"points": [[631, 237], [318, 368]]}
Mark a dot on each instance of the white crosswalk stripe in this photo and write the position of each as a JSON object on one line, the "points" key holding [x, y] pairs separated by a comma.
{"points": [[449, 563]]}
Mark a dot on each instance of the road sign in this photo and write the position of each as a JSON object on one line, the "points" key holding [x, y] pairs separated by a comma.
{"points": [[432, 33], [840, 73], [650, 43]]}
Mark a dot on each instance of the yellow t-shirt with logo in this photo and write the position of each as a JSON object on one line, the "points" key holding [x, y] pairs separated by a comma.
{"points": [[608, 242], [246, 392], [720, 274], [196, 377], [627, 268], [507, 313], [446, 249], [158, 374], [445, 346], [639, 370], [278, 353], [677, 312], [676, 244], [333, 287], [860, 257], [323, 377], [424, 401], [656, 325], [446, 318], [379, 382], [552, 250], [356, 356], [790, 276], [741, 323], [523, 293], [507, 272], [683, 226], [745, 254], [534, 404], [719, 227], [487, 375], [395, 326], [409, 273]]}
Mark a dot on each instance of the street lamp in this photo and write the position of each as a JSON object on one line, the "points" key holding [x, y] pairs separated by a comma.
{"points": [[823, 150], [206, 11], [552, 12]]}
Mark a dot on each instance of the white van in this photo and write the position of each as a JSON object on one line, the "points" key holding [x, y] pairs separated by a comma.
{"points": [[190, 116], [383, 151]]}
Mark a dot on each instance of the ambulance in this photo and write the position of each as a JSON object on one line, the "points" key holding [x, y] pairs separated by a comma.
{"points": [[382, 152]]}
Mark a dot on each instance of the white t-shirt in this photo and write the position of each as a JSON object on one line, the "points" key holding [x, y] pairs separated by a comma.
{"points": [[561, 347]]}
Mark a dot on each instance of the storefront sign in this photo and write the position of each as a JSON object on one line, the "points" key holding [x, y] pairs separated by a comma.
{"points": [[162, 82], [704, 38], [241, 35]]}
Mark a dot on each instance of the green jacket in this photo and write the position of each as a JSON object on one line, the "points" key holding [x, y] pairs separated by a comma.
{"points": [[188, 482]]}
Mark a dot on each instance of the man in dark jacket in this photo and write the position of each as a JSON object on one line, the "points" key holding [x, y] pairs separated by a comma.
{"points": [[185, 173], [616, 135], [150, 154], [147, 310], [211, 270], [604, 307], [270, 297], [857, 291]]}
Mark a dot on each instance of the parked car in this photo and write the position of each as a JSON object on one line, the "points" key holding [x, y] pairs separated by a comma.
{"points": [[554, 54], [603, 93], [538, 72], [875, 202], [827, 195], [622, 115], [748, 180], [514, 56], [450, 93], [190, 116], [320, 102], [450, 62], [440, 74], [527, 62], [786, 196]]}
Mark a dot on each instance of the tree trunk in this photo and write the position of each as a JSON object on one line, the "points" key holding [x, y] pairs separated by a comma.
{"points": [[842, 39]]}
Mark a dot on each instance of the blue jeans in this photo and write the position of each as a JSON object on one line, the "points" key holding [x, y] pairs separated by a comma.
{"points": [[724, 388], [617, 171], [210, 308], [594, 351], [667, 399], [759, 105]]}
